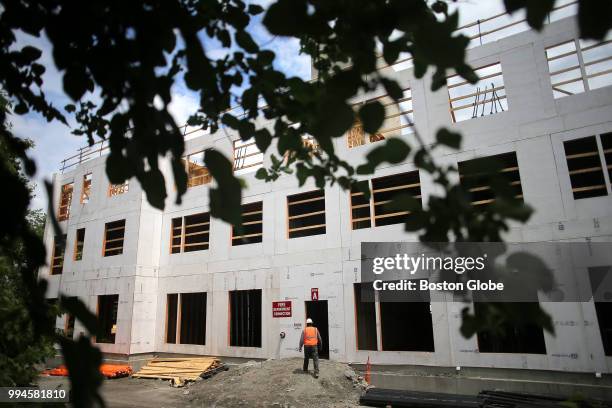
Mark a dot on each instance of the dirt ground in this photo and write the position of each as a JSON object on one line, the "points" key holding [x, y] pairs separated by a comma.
{"points": [[271, 383], [280, 383]]}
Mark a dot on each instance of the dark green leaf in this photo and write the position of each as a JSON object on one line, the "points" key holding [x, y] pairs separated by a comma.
{"points": [[246, 129], [180, 177], [152, 183], [224, 38], [255, 9], [515, 209], [393, 89], [594, 18], [302, 173], [334, 118], [117, 168], [393, 150], [245, 40], [21, 109], [231, 121], [261, 174], [266, 57], [537, 10], [391, 51], [440, 7], [263, 139], [83, 361], [30, 53], [225, 199], [422, 159], [286, 17], [448, 138], [75, 307], [76, 83], [372, 116]]}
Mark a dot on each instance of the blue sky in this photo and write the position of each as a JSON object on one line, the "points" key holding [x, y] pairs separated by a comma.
{"points": [[54, 141]]}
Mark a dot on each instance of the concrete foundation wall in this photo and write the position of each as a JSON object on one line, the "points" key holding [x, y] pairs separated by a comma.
{"points": [[535, 127]]}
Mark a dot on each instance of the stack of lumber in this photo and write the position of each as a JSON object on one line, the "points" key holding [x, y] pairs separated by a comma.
{"points": [[180, 370]]}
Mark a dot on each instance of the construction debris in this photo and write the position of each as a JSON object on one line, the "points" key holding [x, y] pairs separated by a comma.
{"points": [[180, 370], [107, 370], [357, 380]]}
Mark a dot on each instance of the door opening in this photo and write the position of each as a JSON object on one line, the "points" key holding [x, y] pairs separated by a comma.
{"points": [[317, 311]]}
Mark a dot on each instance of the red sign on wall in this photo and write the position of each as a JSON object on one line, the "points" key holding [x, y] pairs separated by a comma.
{"points": [[281, 309], [314, 294]]}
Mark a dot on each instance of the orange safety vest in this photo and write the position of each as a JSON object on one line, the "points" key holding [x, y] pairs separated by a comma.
{"points": [[310, 336]]}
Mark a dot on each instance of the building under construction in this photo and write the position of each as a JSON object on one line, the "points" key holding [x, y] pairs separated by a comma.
{"points": [[179, 281]]}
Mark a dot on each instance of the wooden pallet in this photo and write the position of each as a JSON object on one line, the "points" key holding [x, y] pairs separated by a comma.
{"points": [[179, 370]]}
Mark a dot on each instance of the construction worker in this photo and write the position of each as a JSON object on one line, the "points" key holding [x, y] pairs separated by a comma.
{"points": [[311, 340]]}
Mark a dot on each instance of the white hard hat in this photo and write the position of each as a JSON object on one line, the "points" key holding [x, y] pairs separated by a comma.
{"points": [[309, 321]]}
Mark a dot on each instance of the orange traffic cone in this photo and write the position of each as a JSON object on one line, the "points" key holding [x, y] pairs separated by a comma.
{"points": [[368, 369]]}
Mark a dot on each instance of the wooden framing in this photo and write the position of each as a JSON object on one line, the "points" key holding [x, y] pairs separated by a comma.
{"points": [[197, 173], [310, 143], [172, 332], [375, 212], [368, 323], [554, 59], [306, 214], [176, 235], [606, 144], [186, 318], [79, 242], [63, 212], [356, 135], [384, 189], [477, 178], [190, 233], [107, 311], [86, 190], [395, 120], [69, 321], [114, 233], [246, 155], [245, 318], [118, 189], [585, 168], [573, 57], [361, 207], [57, 255], [486, 97], [251, 230]]}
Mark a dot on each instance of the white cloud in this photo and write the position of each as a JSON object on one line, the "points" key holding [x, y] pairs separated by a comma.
{"points": [[52, 78], [53, 143], [184, 104], [472, 10]]}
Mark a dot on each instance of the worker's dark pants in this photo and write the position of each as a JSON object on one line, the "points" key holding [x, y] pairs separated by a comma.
{"points": [[311, 352]]}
